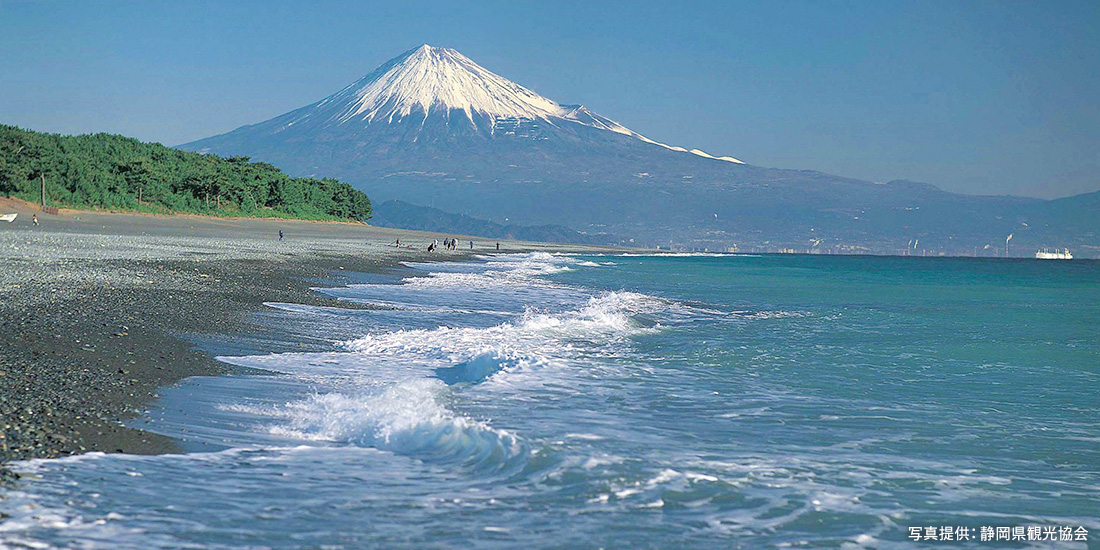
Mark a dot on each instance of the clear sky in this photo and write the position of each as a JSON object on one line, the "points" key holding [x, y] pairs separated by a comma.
{"points": [[974, 96]]}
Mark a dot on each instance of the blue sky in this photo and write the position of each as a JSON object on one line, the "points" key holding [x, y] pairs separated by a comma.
{"points": [[976, 97]]}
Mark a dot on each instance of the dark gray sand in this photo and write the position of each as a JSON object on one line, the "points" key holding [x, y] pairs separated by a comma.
{"points": [[92, 304]]}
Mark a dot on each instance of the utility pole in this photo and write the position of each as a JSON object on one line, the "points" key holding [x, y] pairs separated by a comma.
{"points": [[43, 191]]}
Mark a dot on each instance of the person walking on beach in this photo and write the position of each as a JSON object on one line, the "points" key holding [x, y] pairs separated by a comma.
{"points": [[34, 219], [280, 234]]}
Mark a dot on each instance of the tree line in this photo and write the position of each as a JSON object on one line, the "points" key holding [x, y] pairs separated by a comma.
{"points": [[120, 173]]}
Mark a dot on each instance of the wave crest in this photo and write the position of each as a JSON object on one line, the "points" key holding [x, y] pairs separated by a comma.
{"points": [[407, 418]]}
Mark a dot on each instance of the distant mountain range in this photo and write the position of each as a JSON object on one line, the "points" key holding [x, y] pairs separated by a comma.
{"points": [[403, 215], [433, 127]]}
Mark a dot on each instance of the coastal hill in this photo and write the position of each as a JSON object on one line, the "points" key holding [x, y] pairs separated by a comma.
{"points": [[119, 173], [432, 127], [402, 215]]}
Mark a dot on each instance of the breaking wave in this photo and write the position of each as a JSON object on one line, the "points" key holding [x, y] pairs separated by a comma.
{"points": [[609, 317], [403, 383], [408, 418]]}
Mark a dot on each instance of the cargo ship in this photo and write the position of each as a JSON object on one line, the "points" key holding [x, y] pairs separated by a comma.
{"points": [[1055, 254]]}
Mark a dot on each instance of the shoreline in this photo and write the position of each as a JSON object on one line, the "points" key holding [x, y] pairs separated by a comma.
{"points": [[94, 305]]}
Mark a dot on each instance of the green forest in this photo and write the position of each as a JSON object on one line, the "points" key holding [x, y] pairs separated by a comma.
{"points": [[119, 173]]}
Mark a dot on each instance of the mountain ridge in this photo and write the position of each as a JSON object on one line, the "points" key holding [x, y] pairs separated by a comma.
{"points": [[556, 163], [427, 79]]}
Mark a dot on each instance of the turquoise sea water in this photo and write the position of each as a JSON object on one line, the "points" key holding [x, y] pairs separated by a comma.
{"points": [[624, 402]]}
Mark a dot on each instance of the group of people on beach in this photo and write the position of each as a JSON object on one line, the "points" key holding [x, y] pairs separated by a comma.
{"points": [[449, 244]]}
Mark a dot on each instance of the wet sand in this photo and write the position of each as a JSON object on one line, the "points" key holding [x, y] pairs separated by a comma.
{"points": [[93, 306]]}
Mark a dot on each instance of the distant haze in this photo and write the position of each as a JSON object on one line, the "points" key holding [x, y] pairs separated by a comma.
{"points": [[975, 97]]}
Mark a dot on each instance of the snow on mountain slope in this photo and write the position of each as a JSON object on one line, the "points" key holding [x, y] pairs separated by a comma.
{"points": [[429, 80], [432, 127]]}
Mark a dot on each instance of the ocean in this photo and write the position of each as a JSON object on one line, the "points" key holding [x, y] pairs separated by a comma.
{"points": [[624, 401]]}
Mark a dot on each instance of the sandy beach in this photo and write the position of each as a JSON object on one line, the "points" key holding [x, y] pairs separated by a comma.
{"points": [[94, 305]]}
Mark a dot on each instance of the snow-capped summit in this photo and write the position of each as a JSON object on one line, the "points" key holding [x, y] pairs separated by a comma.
{"points": [[427, 78], [430, 81]]}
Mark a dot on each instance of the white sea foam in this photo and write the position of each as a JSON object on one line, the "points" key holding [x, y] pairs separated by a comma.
{"points": [[407, 418], [493, 279], [608, 317], [395, 390], [394, 395]]}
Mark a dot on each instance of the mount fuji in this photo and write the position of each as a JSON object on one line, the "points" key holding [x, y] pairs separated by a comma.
{"points": [[434, 128]]}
